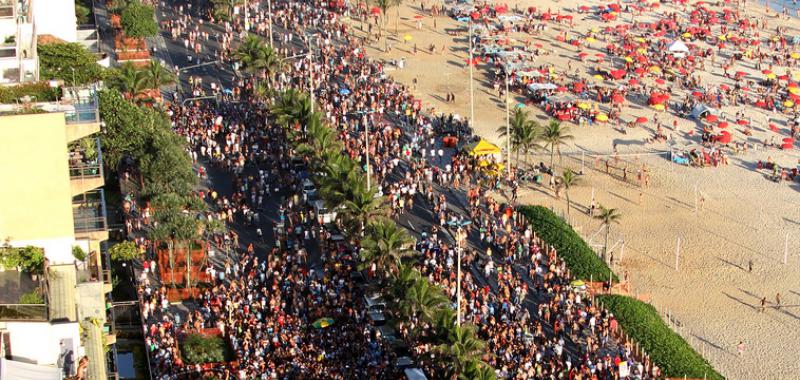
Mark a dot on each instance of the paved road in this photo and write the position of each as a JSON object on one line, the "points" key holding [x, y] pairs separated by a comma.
{"points": [[418, 220]]}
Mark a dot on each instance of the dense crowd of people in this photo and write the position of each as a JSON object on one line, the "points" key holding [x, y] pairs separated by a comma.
{"points": [[265, 300]]}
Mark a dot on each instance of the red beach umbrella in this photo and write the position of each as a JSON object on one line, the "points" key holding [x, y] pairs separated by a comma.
{"points": [[711, 118], [641, 120], [742, 122], [773, 128], [722, 125]]}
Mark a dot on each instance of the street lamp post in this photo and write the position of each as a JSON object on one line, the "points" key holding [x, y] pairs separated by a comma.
{"points": [[508, 129], [471, 85]]}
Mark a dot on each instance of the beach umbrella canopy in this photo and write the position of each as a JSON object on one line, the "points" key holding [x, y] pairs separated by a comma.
{"points": [[658, 107], [418, 17], [722, 125], [761, 104], [740, 73], [322, 323], [795, 55], [788, 140], [711, 118], [773, 128], [742, 122], [633, 82], [584, 106], [583, 55], [660, 81], [375, 11], [724, 138], [601, 117], [618, 98], [408, 37], [788, 103], [344, 91], [618, 74], [641, 120]]}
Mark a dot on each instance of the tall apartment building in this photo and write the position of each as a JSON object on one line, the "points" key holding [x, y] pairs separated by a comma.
{"points": [[51, 196]]}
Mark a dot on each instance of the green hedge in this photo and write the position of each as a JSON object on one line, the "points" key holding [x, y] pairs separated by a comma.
{"points": [[668, 350], [38, 91], [199, 349], [581, 260]]}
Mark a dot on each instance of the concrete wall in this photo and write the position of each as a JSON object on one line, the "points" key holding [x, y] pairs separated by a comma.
{"points": [[39, 342], [57, 18], [35, 195]]}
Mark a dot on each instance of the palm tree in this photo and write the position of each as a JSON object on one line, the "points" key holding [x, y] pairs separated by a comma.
{"points": [[554, 136], [255, 57], [361, 204], [478, 370], [568, 179], [385, 244], [525, 133], [292, 108], [462, 346], [156, 75], [396, 4], [607, 216], [422, 300], [400, 281], [129, 80], [384, 5]]}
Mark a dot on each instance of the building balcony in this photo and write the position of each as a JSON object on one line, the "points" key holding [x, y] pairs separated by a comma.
{"points": [[89, 215], [15, 284], [86, 168], [81, 112]]}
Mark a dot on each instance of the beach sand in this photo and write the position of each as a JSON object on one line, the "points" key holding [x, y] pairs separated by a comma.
{"points": [[737, 216]]}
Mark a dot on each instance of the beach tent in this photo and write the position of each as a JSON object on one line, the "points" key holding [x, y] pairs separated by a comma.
{"points": [[482, 148], [701, 110], [678, 48], [542, 86]]}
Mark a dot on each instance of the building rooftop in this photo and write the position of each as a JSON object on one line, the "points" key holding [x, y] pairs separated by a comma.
{"points": [[79, 105]]}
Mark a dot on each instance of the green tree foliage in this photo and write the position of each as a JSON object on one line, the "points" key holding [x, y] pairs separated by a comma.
{"points": [[129, 80], [39, 91], [385, 244], [199, 349], [138, 20], [127, 128], [29, 258], [78, 253], [59, 60], [165, 166], [667, 349], [124, 251], [31, 298], [83, 12], [580, 258]]}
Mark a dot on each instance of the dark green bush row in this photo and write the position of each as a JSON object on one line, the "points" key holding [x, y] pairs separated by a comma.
{"points": [[582, 262], [668, 350]]}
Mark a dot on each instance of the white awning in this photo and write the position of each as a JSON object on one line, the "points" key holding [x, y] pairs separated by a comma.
{"points": [[678, 47], [10, 369]]}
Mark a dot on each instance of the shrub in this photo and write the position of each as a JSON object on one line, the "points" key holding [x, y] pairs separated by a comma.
{"points": [[666, 348], [40, 91], [199, 348], [124, 251], [78, 253], [580, 258], [31, 298]]}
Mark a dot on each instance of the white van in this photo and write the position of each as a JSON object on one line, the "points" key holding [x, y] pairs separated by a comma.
{"points": [[322, 212]]}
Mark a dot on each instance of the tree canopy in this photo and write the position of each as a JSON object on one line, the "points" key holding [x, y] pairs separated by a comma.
{"points": [[138, 20], [60, 60]]}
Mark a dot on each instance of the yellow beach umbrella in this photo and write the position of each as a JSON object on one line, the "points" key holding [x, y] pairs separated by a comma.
{"points": [[722, 38], [795, 55], [601, 117], [598, 77], [775, 38], [584, 106], [408, 37], [595, 30], [655, 69], [794, 90], [591, 39], [796, 75], [686, 35], [641, 51], [629, 59], [771, 76], [639, 39], [788, 104], [657, 107]]}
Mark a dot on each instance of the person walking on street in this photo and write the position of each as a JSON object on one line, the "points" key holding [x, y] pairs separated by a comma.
{"points": [[740, 348]]}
